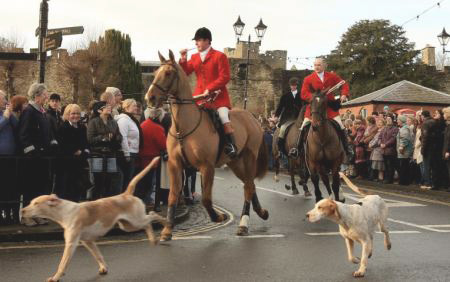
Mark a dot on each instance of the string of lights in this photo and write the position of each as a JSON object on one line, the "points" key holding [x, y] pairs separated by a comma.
{"points": [[438, 4]]}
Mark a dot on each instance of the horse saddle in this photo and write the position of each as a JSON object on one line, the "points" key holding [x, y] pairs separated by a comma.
{"points": [[285, 128], [217, 124]]}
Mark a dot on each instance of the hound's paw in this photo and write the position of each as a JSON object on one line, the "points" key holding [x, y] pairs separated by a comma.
{"points": [[103, 270], [50, 279], [355, 260], [388, 246], [276, 178], [359, 273]]}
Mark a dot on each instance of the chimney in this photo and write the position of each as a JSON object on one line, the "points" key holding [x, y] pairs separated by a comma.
{"points": [[429, 55]]}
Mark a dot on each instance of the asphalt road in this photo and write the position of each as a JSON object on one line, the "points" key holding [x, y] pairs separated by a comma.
{"points": [[283, 248]]}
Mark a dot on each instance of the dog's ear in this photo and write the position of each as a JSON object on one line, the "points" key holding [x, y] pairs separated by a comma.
{"points": [[53, 200]]}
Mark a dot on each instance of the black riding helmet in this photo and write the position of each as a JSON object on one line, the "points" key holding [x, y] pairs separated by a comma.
{"points": [[202, 33]]}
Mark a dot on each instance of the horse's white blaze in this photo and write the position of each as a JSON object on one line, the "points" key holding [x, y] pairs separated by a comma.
{"points": [[318, 99], [244, 220]]}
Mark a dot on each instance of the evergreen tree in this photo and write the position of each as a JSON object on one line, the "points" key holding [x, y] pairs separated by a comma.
{"points": [[373, 54], [123, 70]]}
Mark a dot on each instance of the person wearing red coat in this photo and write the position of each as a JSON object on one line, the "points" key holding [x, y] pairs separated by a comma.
{"points": [[321, 80], [213, 73]]}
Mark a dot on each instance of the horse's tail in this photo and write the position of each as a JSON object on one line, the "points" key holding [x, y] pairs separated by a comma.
{"points": [[353, 186], [132, 185], [262, 161]]}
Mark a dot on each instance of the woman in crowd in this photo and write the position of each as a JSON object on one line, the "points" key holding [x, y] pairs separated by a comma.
{"points": [[360, 159], [369, 134], [417, 164], [349, 167], [404, 141], [9, 197], [74, 151], [105, 140], [376, 156], [387, 144], [131, 138], [441, 169]]}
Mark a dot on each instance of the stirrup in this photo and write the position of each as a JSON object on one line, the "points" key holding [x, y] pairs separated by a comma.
{"points": [[293, 153], [230, 150]]}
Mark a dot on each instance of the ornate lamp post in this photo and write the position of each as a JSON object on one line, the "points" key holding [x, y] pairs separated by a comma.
{"points": [[260, 29], [443, 38]]}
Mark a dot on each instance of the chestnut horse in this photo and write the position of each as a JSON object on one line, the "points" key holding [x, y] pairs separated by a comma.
{"points": [[324, 151], [193, 140]]}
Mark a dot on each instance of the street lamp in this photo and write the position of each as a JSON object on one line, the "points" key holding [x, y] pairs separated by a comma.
{"points": [[443, 38], [260, 29]]}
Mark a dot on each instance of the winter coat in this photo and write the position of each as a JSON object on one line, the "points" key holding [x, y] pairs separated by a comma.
{"points": [[154, 141], [35, 133], [428, 139], [369, 134], [374, 144], [446, 147], [417, 155], [72, 139], [388, 138], [98, 136], [212, 74], [130, 134], [313, 83], [8, 127], [404, 141], [359, 145]]}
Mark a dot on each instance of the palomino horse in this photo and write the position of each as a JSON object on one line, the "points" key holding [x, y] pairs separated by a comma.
{"points": [[324, 151], [296, 165], [194, 140]]}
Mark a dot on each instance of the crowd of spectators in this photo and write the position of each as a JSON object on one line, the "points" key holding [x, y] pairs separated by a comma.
{"points": [[403, 149], [49, 148]]}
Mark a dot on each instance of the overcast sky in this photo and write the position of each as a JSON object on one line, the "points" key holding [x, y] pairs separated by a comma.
{"points": [[303, 28]]}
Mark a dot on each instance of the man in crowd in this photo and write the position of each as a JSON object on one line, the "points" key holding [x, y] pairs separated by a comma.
{"points": [[54, 112], [213, 73], [287, 111]]}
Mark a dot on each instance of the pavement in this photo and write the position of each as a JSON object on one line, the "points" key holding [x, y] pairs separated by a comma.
{"points": [[52, 231], [284, 248]]}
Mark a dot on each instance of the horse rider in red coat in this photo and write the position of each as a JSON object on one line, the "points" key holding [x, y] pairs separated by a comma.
{"points": [[320, 80], [213, 73]]}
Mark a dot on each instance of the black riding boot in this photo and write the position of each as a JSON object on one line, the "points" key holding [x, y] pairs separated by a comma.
{"points": [[294, 152], [230, 146], [281, 148]]}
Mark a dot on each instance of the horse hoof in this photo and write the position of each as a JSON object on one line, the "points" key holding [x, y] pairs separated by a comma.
{"points": [[308, 194], [166, 235], [264, 214], [242, 231], [221, 218], [294, 192], [287, 187]]}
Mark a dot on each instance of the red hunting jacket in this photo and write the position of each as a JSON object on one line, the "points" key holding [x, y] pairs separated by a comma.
{"points": [[154, 141], [313, 81], [212, 74]]}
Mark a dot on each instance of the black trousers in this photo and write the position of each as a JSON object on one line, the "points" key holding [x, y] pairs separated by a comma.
{"points": [[390, 167], [190, 175], [404, 169], [9, 193], [35, 177]]}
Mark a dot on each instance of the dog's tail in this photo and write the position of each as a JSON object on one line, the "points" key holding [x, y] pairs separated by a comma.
{"points": [[352, 186], [132, 185]]}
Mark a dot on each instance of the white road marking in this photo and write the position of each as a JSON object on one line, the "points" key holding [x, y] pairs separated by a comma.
{"points": [[378, 232], [438, 225], [273, 191], [191, 238], [418, 226], [261, 236], [219, 178]]}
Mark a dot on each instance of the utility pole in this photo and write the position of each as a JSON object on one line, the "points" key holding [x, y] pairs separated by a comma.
{"points": [[43, 25]]}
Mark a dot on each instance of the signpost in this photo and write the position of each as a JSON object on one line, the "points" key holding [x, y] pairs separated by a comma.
{"points": [[52, 41], [72, 30]]}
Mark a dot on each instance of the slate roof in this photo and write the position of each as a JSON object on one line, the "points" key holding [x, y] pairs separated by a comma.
{"points": [[402, 92]]}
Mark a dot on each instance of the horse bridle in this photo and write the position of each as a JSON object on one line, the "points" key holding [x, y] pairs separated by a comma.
{"points": [[174, 100], [320, 114]]}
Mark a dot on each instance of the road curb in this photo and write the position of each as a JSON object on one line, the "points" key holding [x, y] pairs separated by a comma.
{"points": [[182, 214]]}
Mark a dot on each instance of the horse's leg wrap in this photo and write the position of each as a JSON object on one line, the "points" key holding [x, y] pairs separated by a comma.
{"points": [[166, 233], [262, 213], [245, 218]]}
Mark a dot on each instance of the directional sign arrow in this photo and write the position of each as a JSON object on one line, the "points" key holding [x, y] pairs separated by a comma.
{"points": [[53, 41]]}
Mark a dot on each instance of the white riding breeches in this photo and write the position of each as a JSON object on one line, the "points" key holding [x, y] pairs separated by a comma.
{"points": [[336, 118], [223, 114]]}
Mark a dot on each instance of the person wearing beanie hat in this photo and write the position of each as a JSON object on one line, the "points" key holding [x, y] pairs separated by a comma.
{"points": [[213, 73], [404, 149]]}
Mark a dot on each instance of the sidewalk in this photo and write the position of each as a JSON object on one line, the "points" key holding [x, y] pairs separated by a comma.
{"points": [[52, 231], [408, 190]]}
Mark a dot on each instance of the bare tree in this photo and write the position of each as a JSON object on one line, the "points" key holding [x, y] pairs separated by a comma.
{"points": [[7, 67], [442, 60], [73, 67]]}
